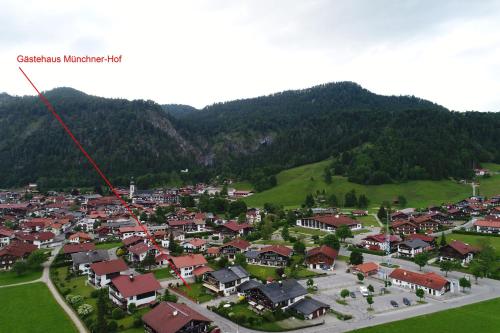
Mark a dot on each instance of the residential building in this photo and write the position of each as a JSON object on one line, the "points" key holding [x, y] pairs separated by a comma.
{"points": [[139, 290], [274, 295], [310, 308], [69, 249], [83, 260], [274, 255], [13, 252], [458, 251], [329, 222], [190, 265], [410, 248], [225, 281], [379, 242], [431, 283], [127, 232], [195, 245], [487, 226], [322, 257], [101, 273], [232, 248], [367, 269], [235, 229], [79, 237], [169, 317]]}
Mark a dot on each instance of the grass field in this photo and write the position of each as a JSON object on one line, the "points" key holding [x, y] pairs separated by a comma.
{"points": [[197, 292], [31, 308], [264, 272], [294, 184], [367, 221], [10, 277], [476, 240], [107, 246], [162, 273], [480, 317]]}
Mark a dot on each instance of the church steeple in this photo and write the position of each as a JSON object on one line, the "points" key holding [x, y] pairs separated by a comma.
{"points": [[132, 188]]}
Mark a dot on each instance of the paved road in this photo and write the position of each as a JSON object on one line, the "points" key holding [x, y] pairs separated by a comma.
{"points": [[45, 278]]}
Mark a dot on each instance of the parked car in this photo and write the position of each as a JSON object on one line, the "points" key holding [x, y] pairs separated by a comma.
{"points": [[394, 304], [353, 294], [406, 301], [364, 291]]}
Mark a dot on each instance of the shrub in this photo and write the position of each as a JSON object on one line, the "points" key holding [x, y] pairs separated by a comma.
{"points": [[268, 316], [94, 293], [132, 308], [84, 310], [112, 326], [137, 321], [117, 313], [76, 300]]}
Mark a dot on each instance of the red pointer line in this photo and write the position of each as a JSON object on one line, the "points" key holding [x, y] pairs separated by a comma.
{"points": [[96, 167]]}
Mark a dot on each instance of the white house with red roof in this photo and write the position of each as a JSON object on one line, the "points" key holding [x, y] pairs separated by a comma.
{"points": [[329, 222], [126, 232], [79, 237], [232, 248], [101, 273], [190, 265], [273, 255], [488, 226], [6, 235], [139, 252], [129, 289], [432, 283], [195, 245]]}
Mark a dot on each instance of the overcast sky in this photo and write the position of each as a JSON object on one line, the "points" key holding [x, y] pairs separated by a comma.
{"points": [[201, 52]]}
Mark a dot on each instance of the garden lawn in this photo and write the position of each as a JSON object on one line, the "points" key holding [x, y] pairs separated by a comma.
{"points": [[294, 184], [9, 277], [31, 308], [479, 317], [475, 240], [162, 273], [367, 221], [197, 292], [264, 272], [107, 246], [308, 231]]}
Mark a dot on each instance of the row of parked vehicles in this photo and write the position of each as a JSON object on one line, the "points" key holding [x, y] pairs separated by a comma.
{"points": [[365, 292]]}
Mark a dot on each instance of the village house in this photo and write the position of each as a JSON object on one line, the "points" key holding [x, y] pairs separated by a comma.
{"points": [[403, 227], [235, 229], [13, 252], [458, 251], [410, 248], [273, 255], [139, 252], [139, 290], [273, 296], [183, 225], [225, 281], [310, 308], [169, 317], [83, 260], [322, 257], [367, 269], [126, 232], [426, 223], [431, 283], [190, 265], [101, 273], [6, 235], [69, 249], [379, 242], [195, 245], [79, 237], [230, 249], [329, 222], [133, 240], [487, 226], [253, 216], [431, 240]]}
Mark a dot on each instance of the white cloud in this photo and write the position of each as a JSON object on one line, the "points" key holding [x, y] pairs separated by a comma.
{"points": [[201, 52]]}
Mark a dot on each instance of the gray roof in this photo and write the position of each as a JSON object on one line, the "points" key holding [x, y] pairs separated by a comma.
{"points": [[247, 285], [306, 306], [119, 224], [252, 254], [89, 257], [229, 274], [279, 292], [415, 243]]}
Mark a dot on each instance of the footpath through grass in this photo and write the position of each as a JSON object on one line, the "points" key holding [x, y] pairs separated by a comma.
{"points": [[9, 277], [32, 309], [480, 317]]}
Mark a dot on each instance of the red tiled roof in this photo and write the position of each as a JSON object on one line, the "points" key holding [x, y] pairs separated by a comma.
{"points": [[139, 284], [279, 249], [132, 240], [366, 267], [139, 248], [137, 228], [6, 232], [323, 249], [107, 267], [238, 243], [81, 235], [197, 242], [198, 271], [44, 236], [213, 250], [171, 317], [399, 223], [425, 238], [189, 260], [381, 238], [335, 220], [428, 280], [75, 248], [487, 223], [18, 249], [462, 248], [234, 226]]}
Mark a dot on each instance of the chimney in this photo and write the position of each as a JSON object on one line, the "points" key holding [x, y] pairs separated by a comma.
{"points": [[175, 313], [131, 277]]}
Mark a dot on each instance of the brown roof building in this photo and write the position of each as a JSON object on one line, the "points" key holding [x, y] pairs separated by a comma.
{"points": [[170, 317]]}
